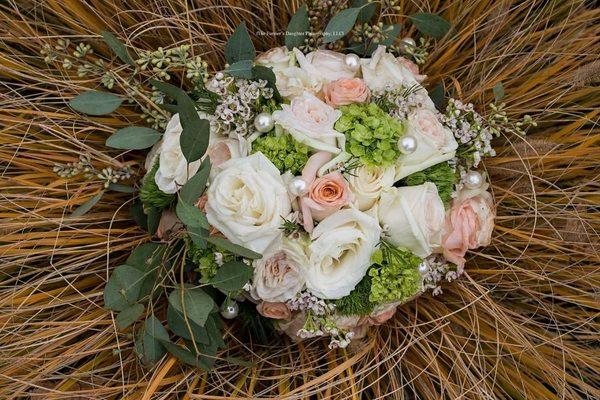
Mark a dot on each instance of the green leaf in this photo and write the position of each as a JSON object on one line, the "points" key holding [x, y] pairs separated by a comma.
{"points": [[129, 315], [267, 74], [118, 187], [137, 214], [123, 288], [87, 206], [185, 356], [133, 138], [117, 47], [430, 24], [232, 276], [241, 69], [233, 248], [154, 215], [298, 28], [367, 11], [340, 24], [191, 215], [239, 46], [96, 103], [498, 92], [437, 96], [198, 236], [195, 304], [147, 258], [149, 341], [186, 328], [194, 187]]}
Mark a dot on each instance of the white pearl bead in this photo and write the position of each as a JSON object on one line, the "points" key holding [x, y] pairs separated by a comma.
{"points": [[352, 61], [423, 268], [229, 309], [407, 144], [473, 180], [264, 122], [408, 42], [298, 187]]}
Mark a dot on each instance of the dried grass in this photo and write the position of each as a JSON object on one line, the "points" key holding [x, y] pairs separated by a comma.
{"points": [[522, 324]]}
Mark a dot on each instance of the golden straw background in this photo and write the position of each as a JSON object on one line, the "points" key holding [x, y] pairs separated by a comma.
{"points": [[523, 322]]}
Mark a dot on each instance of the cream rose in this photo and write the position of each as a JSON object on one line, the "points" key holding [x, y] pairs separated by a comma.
{"points": [[469, 224], [277, 58], [174, 170], [383, 71], [413, 217], [310, 121], [222, 148], [340, 253], [367, 182], [330, 65], [246, 200], [435, 143], [412, 67], [278, 275]]}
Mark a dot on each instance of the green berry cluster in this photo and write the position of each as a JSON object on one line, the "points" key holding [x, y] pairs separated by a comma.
{"points": [[207, 259], [395, 274], [442, 175], [286, 153], [150, 194], [372, 135]]}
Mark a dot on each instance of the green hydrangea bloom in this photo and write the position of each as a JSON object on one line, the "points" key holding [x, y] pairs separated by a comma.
{"points": [[357, 302], [286, 153], [206, 260], [150, 194], [442, 175], [395, 274], [371, 134]]}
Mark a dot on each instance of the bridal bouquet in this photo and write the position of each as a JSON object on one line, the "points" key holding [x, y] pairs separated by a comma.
{"points": [[314, 187]]}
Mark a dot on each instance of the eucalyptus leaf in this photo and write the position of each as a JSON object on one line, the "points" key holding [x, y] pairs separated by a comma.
{"points": [[191, 215], [185, 356], [133, 138], [437, 96], [194, 187], [149, 342], [241, 69], [298, 28], [239, 46], [198, 236], [117, 47], [194, 304], [123, 287], [498, 92], [430, 24], [367, 11], [340, 24], [96, 103], [129, 315], [137, 213], [233, 248], [154, 215], [87, 206], [186, 328], [118, 187], [232, 276], [147, 258]]}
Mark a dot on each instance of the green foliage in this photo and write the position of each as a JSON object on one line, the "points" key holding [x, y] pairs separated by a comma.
{"points": [[239, 47], [286, 153], [372, 135], [298, 28], [204, 258], [395, 274], [193, 303], [232, 276], [430, 24], [341, 24], [150, 194], [96, 103], [117, 47], [442, 175], [133, 138], [358, 301], [87, 206]]}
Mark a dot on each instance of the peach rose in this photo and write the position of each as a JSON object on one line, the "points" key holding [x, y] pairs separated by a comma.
{"points": [[469, 224], [275, 310], [325, 195], [346, 91], [412, 67]]}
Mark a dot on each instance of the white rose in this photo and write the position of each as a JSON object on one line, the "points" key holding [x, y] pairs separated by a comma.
{"points": [[435, 143], [413, 217], [276, 58], [174, 170], [223, 148], [330, 65], [310, 121], [383, 71], [340, 253], [367, 182], [246, 201], [278, 275], [292, 80]]}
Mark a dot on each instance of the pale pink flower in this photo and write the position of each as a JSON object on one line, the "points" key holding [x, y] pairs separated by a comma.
{"points": [[275, 310], [412, 67]]}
